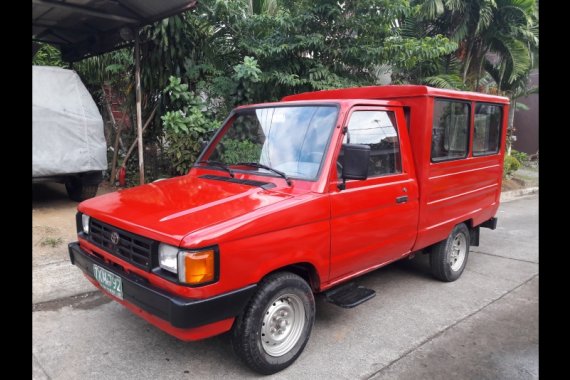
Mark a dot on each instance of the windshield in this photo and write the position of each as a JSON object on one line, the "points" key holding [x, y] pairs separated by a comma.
{"points": [[292, 139]]}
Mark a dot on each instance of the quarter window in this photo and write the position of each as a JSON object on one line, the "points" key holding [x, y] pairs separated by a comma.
{"points": [[450, 131], [377, 129], [487, 133]]}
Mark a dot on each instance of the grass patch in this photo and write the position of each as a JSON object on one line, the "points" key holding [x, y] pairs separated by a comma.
{"points": [[51, 242]]}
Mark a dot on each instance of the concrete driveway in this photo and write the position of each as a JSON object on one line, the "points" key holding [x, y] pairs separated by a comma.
{"points": [[484, 326], [53, 226]]}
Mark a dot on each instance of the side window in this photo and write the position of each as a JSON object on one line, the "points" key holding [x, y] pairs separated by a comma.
{"points": [[450, 131], [377, 129], [487, 133]]}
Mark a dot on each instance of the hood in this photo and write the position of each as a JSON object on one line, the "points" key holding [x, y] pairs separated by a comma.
{"points": [[170, 209]]}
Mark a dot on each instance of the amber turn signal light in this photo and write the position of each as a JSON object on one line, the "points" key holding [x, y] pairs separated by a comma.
{"points": [[197, 267]]}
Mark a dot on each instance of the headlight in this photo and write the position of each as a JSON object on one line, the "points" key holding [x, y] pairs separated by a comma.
{"points": [[197, 267], [192, 267], [168, 257], [85, 223]]}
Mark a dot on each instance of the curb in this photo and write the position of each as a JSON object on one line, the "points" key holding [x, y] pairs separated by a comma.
{"points": [[511, 195]]}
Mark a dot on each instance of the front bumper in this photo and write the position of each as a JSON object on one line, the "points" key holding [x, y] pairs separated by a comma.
{"points": [[180, 312]]}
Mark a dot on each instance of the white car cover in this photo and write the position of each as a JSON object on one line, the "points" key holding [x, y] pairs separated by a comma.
{"points": [[67, 128]]}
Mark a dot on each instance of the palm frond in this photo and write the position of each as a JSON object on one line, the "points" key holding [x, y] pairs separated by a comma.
{"points": [[431, 9], [411, 27], [517, 54], [456, 5], [450, 81], [486, 15]]}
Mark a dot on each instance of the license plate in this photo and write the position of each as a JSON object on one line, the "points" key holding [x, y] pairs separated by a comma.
{"points": [[109, 281]]}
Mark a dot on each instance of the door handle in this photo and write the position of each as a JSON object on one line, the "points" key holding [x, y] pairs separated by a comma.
{"points": [[402, 199]]}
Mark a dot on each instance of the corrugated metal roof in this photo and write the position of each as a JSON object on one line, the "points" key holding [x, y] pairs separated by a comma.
{"points": [[83, 28]]}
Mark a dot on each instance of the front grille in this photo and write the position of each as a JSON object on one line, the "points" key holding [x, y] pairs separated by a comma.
{"points": [[133, 248]]}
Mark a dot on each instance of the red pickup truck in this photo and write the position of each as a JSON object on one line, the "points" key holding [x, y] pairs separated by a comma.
{"points": [[295, 198]]}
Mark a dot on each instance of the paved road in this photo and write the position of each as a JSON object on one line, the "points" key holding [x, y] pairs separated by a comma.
{"points": [[483, 326]]}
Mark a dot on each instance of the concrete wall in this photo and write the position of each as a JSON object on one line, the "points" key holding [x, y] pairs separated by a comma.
{"points": [[526, 122]]}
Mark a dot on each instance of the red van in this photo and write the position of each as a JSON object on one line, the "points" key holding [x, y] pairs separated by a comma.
{"points": [[295, 198]]}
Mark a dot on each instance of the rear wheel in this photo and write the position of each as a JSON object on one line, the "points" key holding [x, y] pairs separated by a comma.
{"points": [[275, 327], [79, 191], [449, 257]]}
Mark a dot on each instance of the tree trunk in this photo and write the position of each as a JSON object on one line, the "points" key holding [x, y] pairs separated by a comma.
{"points": [[132, 147], [116, 148]]}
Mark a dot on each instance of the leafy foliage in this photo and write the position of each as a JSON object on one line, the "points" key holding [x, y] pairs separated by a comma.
{"points": [[510, 165], [47, 55], [521, 157], [246, 74], [185, 128], [316, 45], [115, 68]]}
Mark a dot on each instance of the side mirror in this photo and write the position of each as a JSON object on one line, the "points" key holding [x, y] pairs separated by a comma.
{"points": [[354, 162]]}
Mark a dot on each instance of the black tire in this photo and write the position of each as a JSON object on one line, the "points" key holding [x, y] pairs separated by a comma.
{"points": [[79, 191], [441, 255], [247, 330]]}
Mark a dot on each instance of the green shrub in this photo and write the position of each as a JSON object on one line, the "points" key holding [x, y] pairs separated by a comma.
{"points": [[521, 157], [185, 126], [510, 166], [184, 134]]}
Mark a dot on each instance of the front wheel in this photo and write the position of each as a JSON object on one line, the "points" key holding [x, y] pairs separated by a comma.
{"points": [[449, 257], [273, 330]]}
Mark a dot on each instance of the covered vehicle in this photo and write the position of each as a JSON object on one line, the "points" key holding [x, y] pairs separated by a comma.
{"points": [[68, 143]]}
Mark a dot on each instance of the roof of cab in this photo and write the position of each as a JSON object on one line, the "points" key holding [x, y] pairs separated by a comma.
{"points": [[392, 92], [324, 101]]}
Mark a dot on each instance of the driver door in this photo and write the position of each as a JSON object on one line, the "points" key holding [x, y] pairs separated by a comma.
{"points": [[374, 221]]}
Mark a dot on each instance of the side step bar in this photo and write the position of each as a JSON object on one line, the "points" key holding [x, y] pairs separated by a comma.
{"points": [[349, 295]]}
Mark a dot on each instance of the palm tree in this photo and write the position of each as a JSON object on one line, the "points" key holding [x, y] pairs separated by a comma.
{"points": [[490, 33], [497, 42]]}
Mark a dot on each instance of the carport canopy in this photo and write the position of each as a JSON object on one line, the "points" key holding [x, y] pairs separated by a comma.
{"points": [[86, 28]]}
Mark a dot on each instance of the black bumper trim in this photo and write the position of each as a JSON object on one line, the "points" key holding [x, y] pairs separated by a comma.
{"points": [[178, 311]]}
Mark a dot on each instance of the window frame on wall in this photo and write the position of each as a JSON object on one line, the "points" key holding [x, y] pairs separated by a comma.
{"points": [[468, 131], [500, 131], [398, 163]]}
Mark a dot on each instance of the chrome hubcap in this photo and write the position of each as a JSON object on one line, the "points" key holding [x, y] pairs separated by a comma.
{"points": [[282, 324], [458, 251]]}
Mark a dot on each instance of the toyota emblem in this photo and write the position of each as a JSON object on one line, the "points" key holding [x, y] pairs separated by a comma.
{"points": [[114, 238]]}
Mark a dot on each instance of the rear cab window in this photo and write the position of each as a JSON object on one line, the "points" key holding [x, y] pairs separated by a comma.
{"points": [[450, 130], [487, 129]]}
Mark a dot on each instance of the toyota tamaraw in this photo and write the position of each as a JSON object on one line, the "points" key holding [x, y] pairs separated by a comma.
{"points": [[294, 198]]}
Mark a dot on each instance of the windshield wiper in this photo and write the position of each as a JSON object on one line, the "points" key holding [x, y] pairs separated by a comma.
{"points": [[218, 164], [261, 166]]}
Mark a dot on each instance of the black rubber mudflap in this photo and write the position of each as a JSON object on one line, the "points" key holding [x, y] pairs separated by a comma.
{"points": [[349, 295]]}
